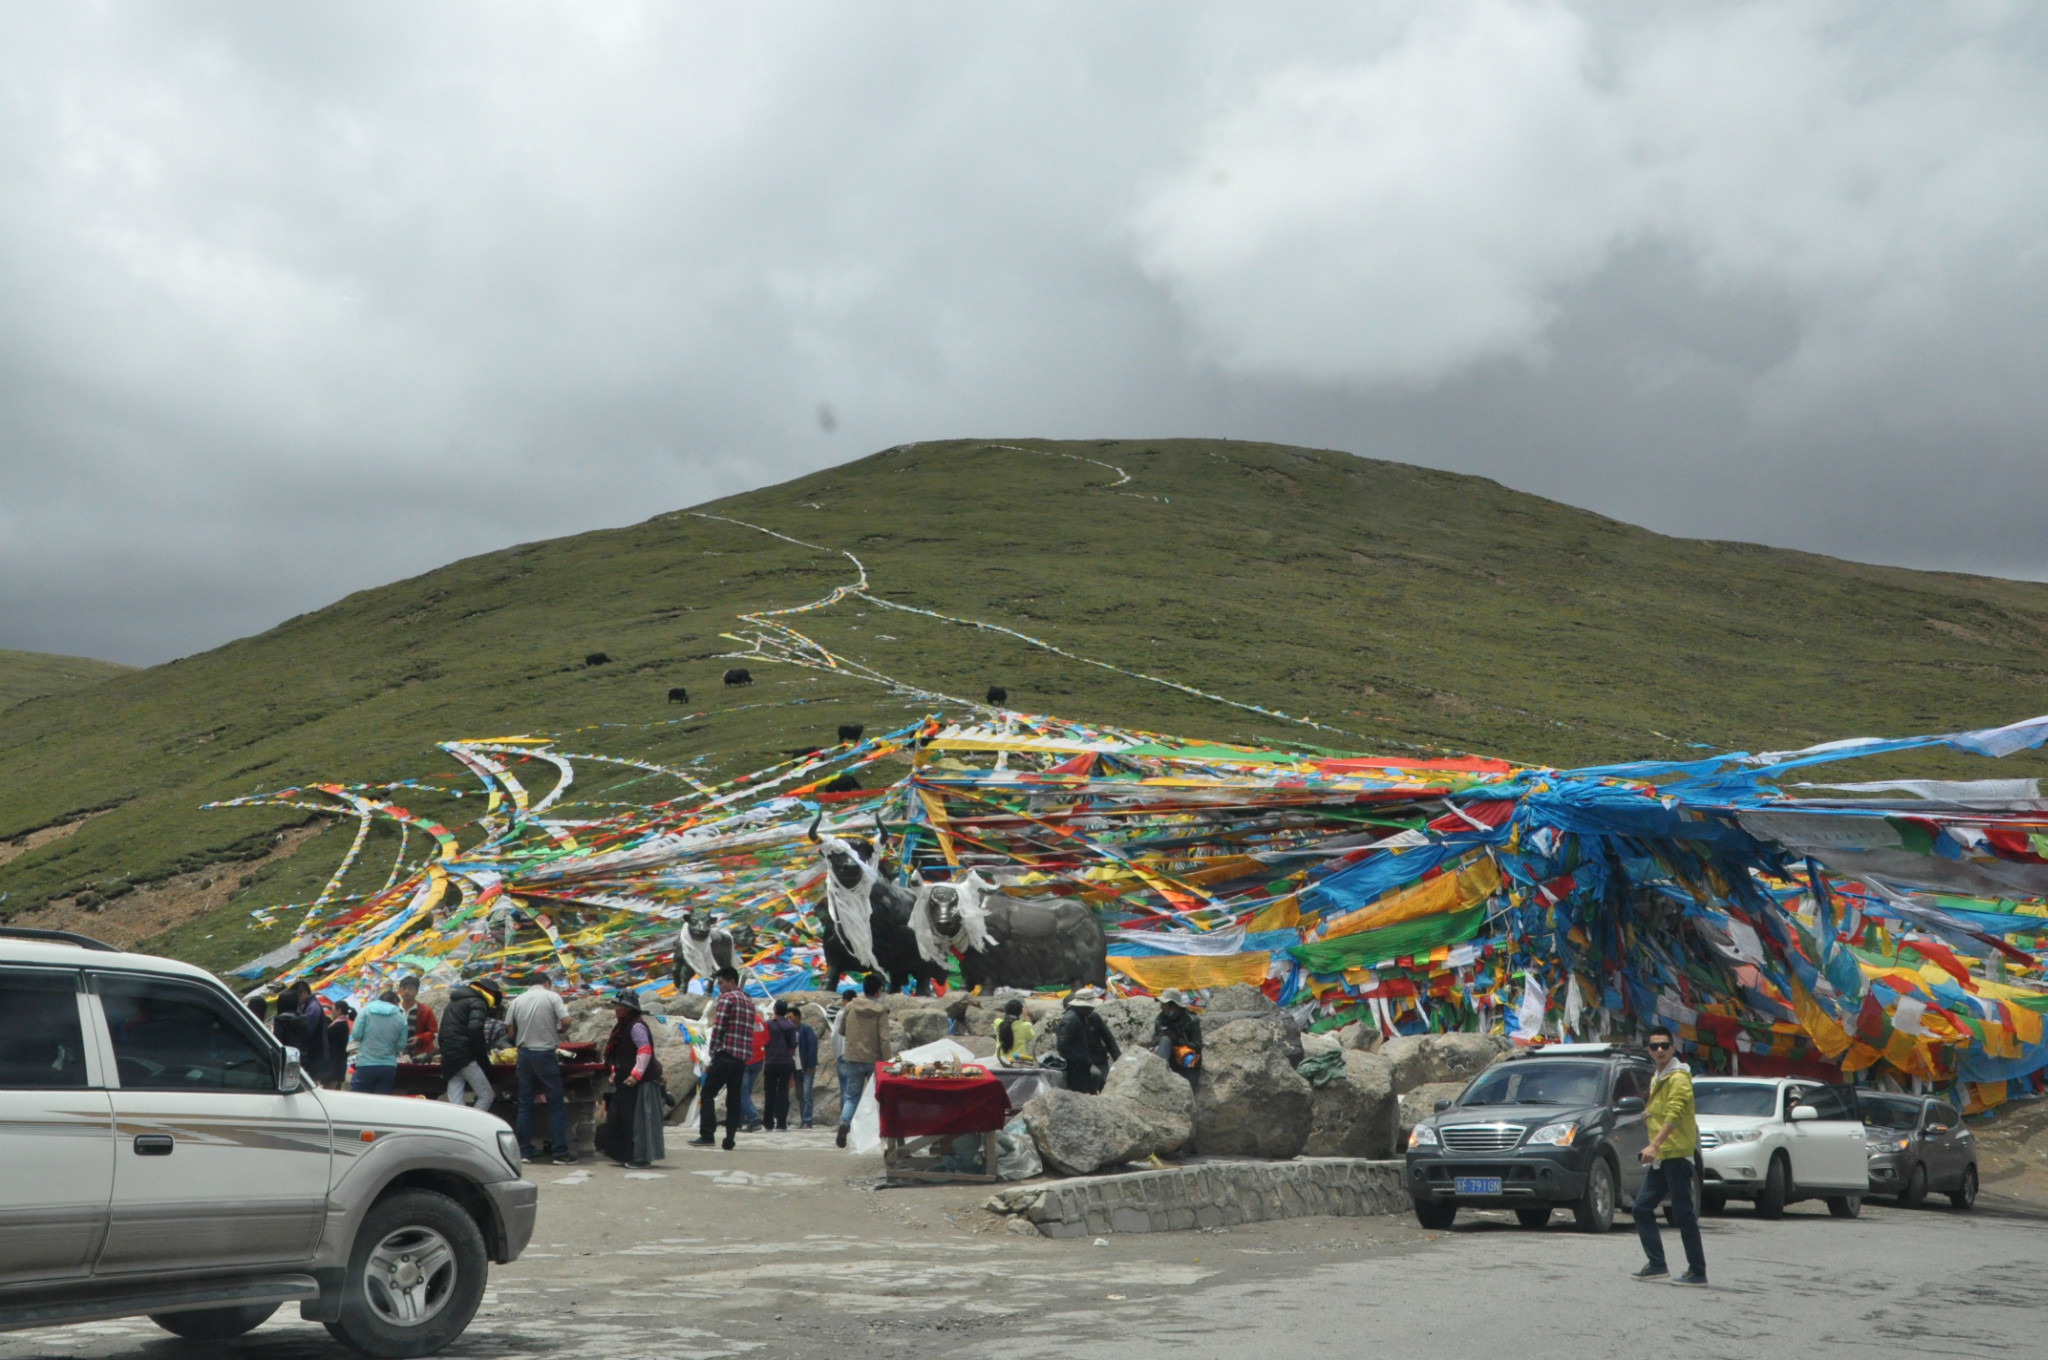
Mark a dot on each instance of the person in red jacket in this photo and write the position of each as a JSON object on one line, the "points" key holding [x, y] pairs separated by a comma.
{"points": [[420, 1025]]}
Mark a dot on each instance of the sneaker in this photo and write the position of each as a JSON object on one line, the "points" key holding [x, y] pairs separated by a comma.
{"points": [[565, 1159], [841, 1139], [1692, 1277], [702, 1142], [727, 1145], [808, 1124], [1651, 1273], [751, 1128], [531, 1157]]}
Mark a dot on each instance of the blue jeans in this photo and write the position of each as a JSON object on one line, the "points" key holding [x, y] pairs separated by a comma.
{"points": [[1672, 1179], [804, 1081], [543, 1068], [378, 1081], [747, 1110], [853, 1079]]}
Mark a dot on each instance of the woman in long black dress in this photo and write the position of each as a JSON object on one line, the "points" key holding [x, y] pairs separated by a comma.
{"points": [[636, 1106]]}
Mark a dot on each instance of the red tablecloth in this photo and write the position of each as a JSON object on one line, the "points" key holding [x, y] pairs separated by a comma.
{"points": [[924, 1107]]}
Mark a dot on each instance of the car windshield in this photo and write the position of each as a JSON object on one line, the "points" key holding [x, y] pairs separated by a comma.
{"points": [[1735, 1098], [1880, 1113], [1538, 1083]]}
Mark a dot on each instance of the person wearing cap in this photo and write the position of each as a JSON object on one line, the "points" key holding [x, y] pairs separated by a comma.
{"points": [[536, 1021], [465, 1049], [778, 1066], [1014, 1035], [1086, 1045], [734, 1023], [635, 1108], [1177, 1034]]}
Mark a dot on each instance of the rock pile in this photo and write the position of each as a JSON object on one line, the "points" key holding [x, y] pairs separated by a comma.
{"points": [[1144, 1110]]}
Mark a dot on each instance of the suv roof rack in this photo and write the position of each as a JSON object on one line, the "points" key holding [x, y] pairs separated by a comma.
{"points": [[58, 937], [1602, 1050]]}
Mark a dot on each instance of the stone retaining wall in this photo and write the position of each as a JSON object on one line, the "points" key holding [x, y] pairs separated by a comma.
{"points": [[1208, 1194]]}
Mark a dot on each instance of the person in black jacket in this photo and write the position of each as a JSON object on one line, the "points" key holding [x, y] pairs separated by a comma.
{"points": [[1085, 1043], [465, 1052]]}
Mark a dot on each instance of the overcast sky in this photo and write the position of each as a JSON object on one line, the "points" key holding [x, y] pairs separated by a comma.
{"points": [[296, 299]]}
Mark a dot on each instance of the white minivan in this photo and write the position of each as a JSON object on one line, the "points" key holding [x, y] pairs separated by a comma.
{"points": [[160, 1154], [1776, 1140]]}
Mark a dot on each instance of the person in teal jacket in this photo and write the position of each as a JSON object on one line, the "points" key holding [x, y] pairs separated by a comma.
{"points": [[376, 1041]]}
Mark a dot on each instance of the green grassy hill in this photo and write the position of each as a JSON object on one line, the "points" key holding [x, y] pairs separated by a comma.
{"points": [[1397, 604], [31, 675]]}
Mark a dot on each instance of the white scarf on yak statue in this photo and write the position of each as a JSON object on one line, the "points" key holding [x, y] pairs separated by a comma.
{"points": [[973, 891], [849, 907]]}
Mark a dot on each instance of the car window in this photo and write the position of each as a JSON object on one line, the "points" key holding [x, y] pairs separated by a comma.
{"points": [[42, 1046], [1793, 1095], [1631, 1081], [1756, 1098], [1890, 1112], [1538, 1083], [174, 1036], [1939, 1119], [1830, 1102]]}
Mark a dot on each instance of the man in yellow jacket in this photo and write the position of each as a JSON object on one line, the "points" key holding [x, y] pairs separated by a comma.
{"points": [[1674, 1137]]}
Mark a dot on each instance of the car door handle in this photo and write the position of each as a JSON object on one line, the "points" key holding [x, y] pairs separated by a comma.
{"points": [[153, 1145]]}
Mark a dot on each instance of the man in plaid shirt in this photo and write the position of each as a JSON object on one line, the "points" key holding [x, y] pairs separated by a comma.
{"points": [[733, 1022]]}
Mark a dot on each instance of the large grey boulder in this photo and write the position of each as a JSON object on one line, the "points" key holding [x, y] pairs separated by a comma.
{"points": [[1275, 1029], [1364, 1038], [1420, 1103], [1241, 998], [590, 1021], [1250, 1102], [921, 1026], [1129, 1020], [1163, 1102], [1357, 1114], [1429, 1059], [1320, 1043], [688, 1006]]}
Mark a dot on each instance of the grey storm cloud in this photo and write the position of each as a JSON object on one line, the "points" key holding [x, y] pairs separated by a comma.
{"points": [[301, 299]]}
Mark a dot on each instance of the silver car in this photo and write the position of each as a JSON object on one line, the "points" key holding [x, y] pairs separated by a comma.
{"points": [[1916, 1144], [162, 1155]]}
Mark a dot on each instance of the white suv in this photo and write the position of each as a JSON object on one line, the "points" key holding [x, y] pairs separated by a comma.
{"points": [[1776, 1140], [162, 1155]]}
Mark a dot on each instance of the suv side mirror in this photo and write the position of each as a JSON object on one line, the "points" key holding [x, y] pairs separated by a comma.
{"points": [[1802, 1114], [293, 1076], [1442, 1105], [1630, 1105]]}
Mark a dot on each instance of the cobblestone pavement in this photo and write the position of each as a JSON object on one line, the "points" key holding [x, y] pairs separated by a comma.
{"points": [[785, 1248]]}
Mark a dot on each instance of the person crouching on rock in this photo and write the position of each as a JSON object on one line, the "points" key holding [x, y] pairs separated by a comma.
{"points": [[1014, 1035], [1086, 1045], [1177, 1034]]}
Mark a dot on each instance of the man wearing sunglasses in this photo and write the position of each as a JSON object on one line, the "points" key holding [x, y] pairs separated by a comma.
{"points": [[1674, 1136]]}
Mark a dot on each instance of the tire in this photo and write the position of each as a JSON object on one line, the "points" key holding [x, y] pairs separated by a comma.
{"points": [[1914, 1191], [1594, 1211], [1777, 1188], [215, 1324], [1435, 1216], [1845, 1206], [1964, 1196], [1533, 1218], [415, 1277], [1711, 1203]]}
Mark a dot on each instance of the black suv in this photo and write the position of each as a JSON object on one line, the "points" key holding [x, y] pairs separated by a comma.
{"points": [[1554, 1126]]}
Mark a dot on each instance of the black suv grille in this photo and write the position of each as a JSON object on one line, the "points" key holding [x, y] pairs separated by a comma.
{"points": [[1480, 1137]]}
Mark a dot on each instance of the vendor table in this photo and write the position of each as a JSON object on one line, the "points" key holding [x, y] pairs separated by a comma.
{"points": [[921, 1114], [583, 1081]]}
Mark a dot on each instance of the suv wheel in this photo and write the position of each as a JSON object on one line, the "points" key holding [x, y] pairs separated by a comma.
{"points": [[1845, 1206], [1964, 1196], [1777, 1188], [1916, 1188], [1594, 1213], [215, 1324], [415, 1277], [1433, 1215]]}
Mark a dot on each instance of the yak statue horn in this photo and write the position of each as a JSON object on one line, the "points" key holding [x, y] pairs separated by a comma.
{"points": [[812, 832]]}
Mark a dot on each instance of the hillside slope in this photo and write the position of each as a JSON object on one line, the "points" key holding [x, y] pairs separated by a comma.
{"points": [[1397, 604], [31, 675]]}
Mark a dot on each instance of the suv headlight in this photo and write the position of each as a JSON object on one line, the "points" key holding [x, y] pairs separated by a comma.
{"points": [[1890, 1144], [1422, 1135], [1555, 1135], [508, 1148], [1741, 1136]]}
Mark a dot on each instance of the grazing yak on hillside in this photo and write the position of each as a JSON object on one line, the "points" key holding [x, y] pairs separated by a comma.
{"points": [[1005, 941], [597, 659], [863, 922], [850, 732], [678, 695], [703, 948], [739, 675], [998, 695]]}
